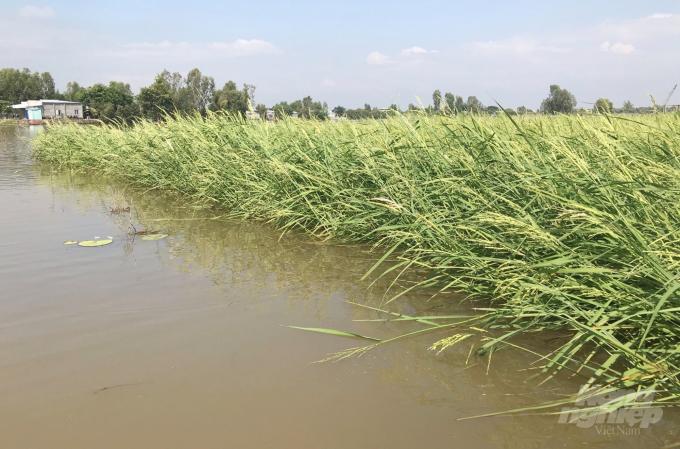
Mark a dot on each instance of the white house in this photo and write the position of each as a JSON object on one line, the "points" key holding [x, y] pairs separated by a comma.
{"points": [[37, 110]]}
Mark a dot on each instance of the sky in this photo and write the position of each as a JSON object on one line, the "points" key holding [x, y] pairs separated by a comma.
{"points": [[354, 52]]}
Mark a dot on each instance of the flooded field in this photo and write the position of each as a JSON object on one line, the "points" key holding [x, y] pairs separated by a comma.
{"points": [[182, 342]]}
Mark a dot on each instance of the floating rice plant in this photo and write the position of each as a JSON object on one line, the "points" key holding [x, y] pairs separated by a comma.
{"points": [[561, 223]]}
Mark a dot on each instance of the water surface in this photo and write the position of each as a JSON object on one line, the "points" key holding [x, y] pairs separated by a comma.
{"points": [[181, 343]]}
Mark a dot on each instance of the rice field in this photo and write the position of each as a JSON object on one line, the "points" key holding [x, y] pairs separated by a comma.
{"points": [[564, 223]]}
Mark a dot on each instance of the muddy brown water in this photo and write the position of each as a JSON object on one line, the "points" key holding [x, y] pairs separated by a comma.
{"points": [[182, 342]]}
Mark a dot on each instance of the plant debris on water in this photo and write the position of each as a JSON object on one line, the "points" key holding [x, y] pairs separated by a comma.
{"points": [[94, 243], [119, 210], [337, 333], [154, 236], [562, 223]]}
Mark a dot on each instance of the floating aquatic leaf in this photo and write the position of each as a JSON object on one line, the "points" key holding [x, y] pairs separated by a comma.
{"points": [[91, 243], [70, 242], [154, 236], [323, 330]]}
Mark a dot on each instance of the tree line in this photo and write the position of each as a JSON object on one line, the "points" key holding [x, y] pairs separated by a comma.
{"points": [[168, 93], [197, 93], [558, 101]]}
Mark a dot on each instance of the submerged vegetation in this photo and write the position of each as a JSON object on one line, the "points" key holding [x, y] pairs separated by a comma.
{"points": [[559, 223]]}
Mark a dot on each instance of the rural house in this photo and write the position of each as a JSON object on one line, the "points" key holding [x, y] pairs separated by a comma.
{"points": [[36, 110]]}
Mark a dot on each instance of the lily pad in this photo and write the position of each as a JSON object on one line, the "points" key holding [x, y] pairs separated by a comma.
{"points": [[154, 236], [70, 242], [91, 243]]}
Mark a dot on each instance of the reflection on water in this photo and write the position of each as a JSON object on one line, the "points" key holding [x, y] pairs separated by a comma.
{"points": [[182, 342]]}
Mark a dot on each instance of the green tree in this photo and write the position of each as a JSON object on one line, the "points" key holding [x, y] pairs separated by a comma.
{"points": [[603, 106], [282, 109], [179, 93], [198, 92], [450, 102], [114, 101], [628, 107], [305, 108], [175, 82], [261, 110], [74, 91], [230, 98], [249, 89], [21, 85], [193, 93], [314, 109], [6, 109], [559, 101], [339, 111], [47, 85], [459, 105], [307, 105], [474, 105], [437, 100], [156, 100]]}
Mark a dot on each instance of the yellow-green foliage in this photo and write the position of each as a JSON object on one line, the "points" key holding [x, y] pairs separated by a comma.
{"points": [[566, 223]]}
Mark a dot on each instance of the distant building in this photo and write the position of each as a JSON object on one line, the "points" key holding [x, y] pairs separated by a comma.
{"points": [[270, 115], [252, 115], [36, 110]]}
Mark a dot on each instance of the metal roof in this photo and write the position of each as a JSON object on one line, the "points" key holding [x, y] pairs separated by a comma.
{"points": [[59, 102], [38, 103]]}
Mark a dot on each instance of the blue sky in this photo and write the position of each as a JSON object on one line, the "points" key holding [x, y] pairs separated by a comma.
{"points": [[351, 52]]}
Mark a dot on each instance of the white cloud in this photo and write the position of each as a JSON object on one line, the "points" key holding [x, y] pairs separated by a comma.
{"points": [[408, 56], [244, 47], [197, 51], [518, 46], [654, 33], [660, 16], [156, 46], [656, 28], [377, 58], [36, 12], [621, 59], [415, 51], [639, 58], [618, 48]]}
